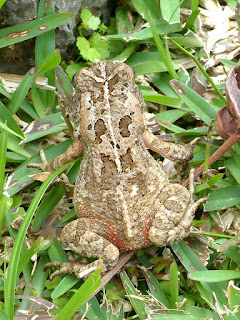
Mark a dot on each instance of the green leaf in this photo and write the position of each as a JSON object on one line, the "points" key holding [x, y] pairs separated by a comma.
{"points": [[5, 205], [25, 31], [14, 145], [170, 10], [90, 54], [156, 289], [163, 52], [40, 128], [191, 20], [150, 62], [65, 285], [145, 7], [82, 43], [233, 166], [95, 312], [85, 15], [11, 278], [170, 115], [40, 277], [162, 27], [20, 94], [10, 131], [214, 275], [191, 262], [194, 4], [47, 205], [37, 101], [56, 251], [89, 21], [233, 293], [3, 150], [63, 84], [161, 99], [173, 284], [223, 198], [86, 51], [93, 23], [72, 69], [44, 45], [176, 315], [203, 109], [3, 315], [101, 45], [81, 295], [137, 304], [2, 3], [6, 116], [189, 40], [123, 20], [50, 62], [125, 54], [37, 246]]}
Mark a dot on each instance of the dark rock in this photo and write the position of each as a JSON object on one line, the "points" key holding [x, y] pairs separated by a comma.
{"points": [[20, 57]]}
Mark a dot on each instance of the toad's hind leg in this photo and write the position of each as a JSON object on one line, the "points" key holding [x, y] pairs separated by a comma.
{"points": [[81, 236], [175, 209]]}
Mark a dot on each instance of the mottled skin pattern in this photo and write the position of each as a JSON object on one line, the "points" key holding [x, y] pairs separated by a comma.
{"points": [[122, 196]]}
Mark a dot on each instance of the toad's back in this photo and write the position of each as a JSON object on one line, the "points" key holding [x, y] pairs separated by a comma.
{"points": [[119, 181]]}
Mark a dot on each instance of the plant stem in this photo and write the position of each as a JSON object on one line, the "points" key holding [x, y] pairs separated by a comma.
{"points": [[200, 67], [227, 145]]}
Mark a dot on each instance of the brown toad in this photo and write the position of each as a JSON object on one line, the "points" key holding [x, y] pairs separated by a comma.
{"points": [[122, 196]]}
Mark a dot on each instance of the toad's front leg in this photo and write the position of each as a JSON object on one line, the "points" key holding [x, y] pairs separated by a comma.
{"points": [[73, 152], [82, 236], [170, 150], [175, 210]]}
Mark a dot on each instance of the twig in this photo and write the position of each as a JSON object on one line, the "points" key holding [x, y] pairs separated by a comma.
{"points": [[227, 145]]}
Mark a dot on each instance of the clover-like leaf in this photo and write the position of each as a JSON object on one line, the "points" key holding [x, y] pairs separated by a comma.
{"points": [[82, 43], [102, 46], [89, 21], [85, 15], [90, 54]]}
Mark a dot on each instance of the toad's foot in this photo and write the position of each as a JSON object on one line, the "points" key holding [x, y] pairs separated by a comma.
{"points": [[76, 268], [82, 237], [72, 153], [175, 212]]}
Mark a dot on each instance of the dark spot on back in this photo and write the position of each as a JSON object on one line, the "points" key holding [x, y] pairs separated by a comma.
{"points": [[126, 160], [100, 129], [123, 126]]}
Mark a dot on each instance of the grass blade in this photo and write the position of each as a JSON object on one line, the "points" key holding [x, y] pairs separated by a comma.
{"points": [[3, 151], [5, 115], [136, 303], [88, 287], [25, 31], [21, 92], [215, 275], [11, 278], [5, 205], [45, 44], [173, 284], [190, 261], [163, 52], [203, 109], [50, 62]]}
